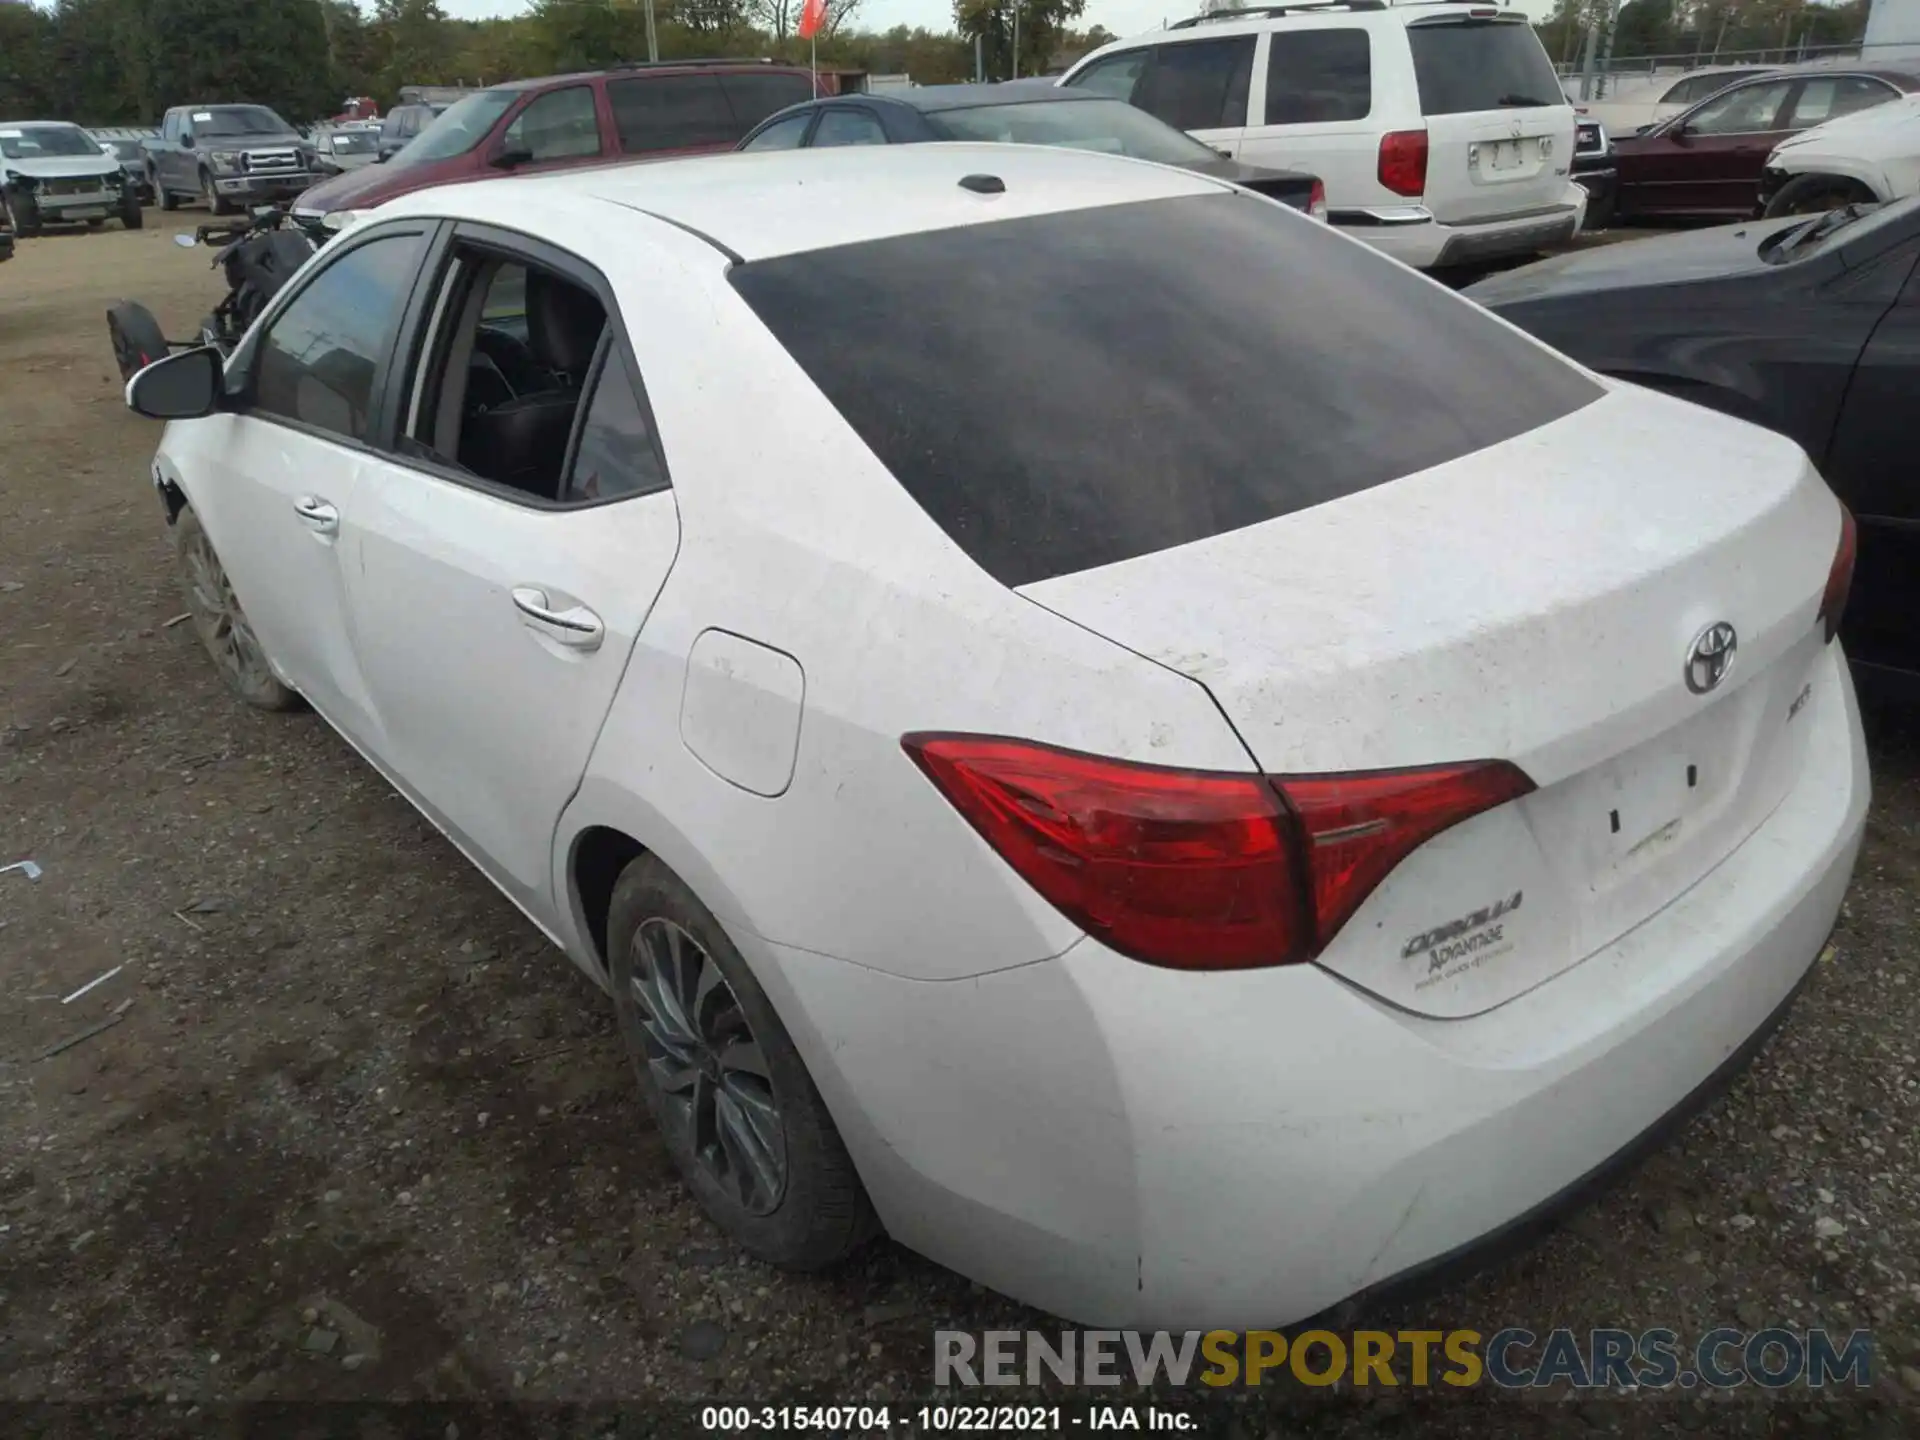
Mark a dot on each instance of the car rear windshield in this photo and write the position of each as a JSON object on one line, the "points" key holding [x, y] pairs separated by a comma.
{"points": [[1112, 127], [1064, 391], [1468, 65]]}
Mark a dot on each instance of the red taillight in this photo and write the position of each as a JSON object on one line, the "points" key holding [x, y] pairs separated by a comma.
{"points": [[1199, 870], [1317, 201], [1403, 161], [1833, 602]]}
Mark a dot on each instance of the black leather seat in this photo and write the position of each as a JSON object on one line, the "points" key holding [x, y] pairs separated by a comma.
{"points": [[523, 442]]}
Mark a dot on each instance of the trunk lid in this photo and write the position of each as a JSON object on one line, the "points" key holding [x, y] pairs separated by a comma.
{"points": [[1536, 601], [1500, 133]]}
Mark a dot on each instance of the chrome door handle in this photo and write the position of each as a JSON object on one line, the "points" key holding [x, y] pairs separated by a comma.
{"points": [[317, 515], [576, 626]]}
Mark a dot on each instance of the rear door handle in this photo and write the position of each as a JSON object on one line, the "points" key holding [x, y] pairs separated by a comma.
{"points": [[576, 626], [317, 515]]}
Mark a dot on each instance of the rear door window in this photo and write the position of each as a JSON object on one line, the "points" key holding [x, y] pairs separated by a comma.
{"points": [[1318, 75], [1200, 85], [1827, 98], [1065, 391], [782, 134], [1463, 66], [672, 112], [848, 125]]}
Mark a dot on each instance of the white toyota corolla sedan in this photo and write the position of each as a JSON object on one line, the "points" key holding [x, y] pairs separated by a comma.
{"points": [[1084, 720]]}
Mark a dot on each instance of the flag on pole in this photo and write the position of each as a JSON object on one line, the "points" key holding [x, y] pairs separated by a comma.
{"points": [[812, 18]]}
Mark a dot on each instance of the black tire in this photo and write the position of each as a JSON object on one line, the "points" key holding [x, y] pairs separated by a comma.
{"points": [[23, 215], [161, 195], [216, 202], [220, 622], [136, 337], [819, 1213], [1817, 194], [132, 217]]}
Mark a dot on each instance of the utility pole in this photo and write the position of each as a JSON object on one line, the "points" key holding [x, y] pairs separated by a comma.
{"points": [[1016, 39]]}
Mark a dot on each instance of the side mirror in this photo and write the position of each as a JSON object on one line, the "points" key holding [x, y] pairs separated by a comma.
{"points": [[180, 387], [186, 142], [510, 157], [1680, 135]]}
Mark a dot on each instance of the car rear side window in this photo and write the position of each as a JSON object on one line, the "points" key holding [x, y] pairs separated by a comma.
{"points": [[1115, 76], [672, 112], [1467, 65], [1064, 391], [317, 360], [1318, 75], [1200, 85], [1829, 97], [754, 97]]}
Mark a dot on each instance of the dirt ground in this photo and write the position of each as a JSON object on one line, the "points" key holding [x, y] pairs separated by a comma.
{"points": [[358, 1134]]}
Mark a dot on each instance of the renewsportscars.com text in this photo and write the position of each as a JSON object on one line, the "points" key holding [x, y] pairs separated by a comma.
{"points": [[1511, 1358]]}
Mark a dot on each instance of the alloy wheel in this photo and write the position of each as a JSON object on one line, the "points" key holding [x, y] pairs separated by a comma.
{"points": [[221, 622], [711, 1073]]}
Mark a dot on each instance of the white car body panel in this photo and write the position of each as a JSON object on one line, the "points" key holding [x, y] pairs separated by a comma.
{"points": [[1880, 148], [1021, 1102]]}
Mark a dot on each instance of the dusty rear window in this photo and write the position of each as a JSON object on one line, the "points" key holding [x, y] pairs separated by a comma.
{"points": [[1463, 66], [1065, 391]]}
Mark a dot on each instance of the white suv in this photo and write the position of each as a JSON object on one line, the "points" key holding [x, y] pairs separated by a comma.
{"points": [[1438, 127]]}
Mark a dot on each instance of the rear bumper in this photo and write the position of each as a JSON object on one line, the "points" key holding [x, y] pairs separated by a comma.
{"points": [[1412, 235], [1060, 1131]]}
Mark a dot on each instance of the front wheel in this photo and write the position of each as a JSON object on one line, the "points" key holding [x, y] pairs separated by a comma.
{"points": [[216, 202], [220, 622], [161, 195], [1817, 194], [728, 1091]]}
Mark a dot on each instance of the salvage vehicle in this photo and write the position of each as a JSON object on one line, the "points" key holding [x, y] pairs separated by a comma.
{"points": [[1706, 162], [1009, 114], [132, 156], [1083, 719], [228, 156], [1808, 326], [53, 173], [1438, 128], [257, 257], [563, 122], [1639, 102], [1595, 170], [339, 149], [1865, 158]]}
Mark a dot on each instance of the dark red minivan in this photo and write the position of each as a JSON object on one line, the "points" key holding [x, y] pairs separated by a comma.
{"points": [[531, 127]]}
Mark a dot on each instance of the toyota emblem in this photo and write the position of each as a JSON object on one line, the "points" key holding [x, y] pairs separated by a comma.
{"points": [[1710, 657]]}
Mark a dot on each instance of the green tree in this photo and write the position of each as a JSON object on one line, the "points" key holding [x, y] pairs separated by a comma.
{"points": [[26, 60], [1041, 24]]}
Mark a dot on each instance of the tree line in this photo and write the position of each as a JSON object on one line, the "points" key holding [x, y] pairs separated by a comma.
{"points": [[108, 62]]}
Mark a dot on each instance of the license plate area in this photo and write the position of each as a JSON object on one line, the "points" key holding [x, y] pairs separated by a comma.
{"points": [[88, 212]]}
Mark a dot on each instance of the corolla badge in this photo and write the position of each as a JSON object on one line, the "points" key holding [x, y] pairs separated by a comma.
{"points": [[1710, 657]]}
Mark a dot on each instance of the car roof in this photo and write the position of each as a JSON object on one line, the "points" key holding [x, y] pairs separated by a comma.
{"points": [[757, 205], [931, 99], [39, 124], [647, 67]]}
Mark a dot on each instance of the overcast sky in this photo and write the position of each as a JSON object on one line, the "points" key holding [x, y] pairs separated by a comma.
{"points": [[1123, 17]]}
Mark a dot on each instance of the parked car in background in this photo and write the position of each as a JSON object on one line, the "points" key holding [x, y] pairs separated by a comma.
{"points": [[228, 156], [1808, 326], [1019, 115], [1639, 102], [559, 122], [1438, 129], [1866, 157], [53, 173], [132, 156], [340, 148], [1707, 161], [401, 124]]}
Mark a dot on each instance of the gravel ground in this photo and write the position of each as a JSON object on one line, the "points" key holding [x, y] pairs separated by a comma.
{"points": [[357, 1134]]}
